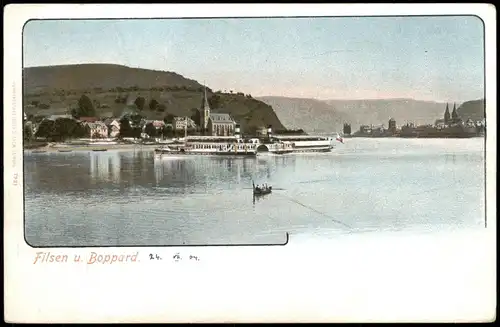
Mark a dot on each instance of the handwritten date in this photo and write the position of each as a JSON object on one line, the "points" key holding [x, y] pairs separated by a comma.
{"points": [[177, 257]]}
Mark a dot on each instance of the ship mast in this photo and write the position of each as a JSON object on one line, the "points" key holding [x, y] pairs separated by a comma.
{"points": [[185, 129]]}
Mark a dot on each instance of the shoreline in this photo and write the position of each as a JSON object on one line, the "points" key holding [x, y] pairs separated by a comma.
{"points": [[92, 148]]}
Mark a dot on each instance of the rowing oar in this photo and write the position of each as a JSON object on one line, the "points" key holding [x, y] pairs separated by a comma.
{"points": [[278, 189]]}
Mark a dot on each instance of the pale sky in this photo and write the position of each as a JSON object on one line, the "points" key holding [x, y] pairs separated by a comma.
{"points": [[424, 58]]}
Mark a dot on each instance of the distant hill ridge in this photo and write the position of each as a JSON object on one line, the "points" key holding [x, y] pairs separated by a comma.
{"points": [[59, 87], [105, 76], [329, 115], [56, 89]]}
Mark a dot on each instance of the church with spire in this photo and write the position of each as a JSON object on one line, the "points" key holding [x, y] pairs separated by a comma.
{"points": [[447, 115], [449, 119], [204, 111], [215, 124], [454, 115]]}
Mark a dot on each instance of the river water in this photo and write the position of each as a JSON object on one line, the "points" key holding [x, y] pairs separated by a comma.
{"points": [[131, 198]]}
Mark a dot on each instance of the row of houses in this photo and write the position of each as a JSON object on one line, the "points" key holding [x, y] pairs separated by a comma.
{"points": [[109, 127], [213, 124]]}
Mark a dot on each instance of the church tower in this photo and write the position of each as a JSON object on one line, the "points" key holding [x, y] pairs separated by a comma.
{"points": [[454, 114], [204, 111], [447, 115]]}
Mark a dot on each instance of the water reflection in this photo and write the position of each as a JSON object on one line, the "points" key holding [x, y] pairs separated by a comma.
{"points": [[135, 197], [125, 169], [105, 167], [204, 171]]}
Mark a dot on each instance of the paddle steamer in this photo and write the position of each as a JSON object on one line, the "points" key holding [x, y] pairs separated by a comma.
{"points": [[234, 145], [211, 145], [282, 144]]}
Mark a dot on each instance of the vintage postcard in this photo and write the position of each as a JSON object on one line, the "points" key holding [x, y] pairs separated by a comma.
{"points": [[250, 163]]}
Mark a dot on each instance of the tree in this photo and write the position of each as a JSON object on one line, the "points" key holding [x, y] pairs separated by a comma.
{"points": [[135, 119], [125, 129], [168, 131], [65, 128], [46, 129], [151, 130], [196, 116], [38, 119], [153, 104], [27, 132], [85, 107], [136, 132], [140, 102], [215, 101], [169, 119]]}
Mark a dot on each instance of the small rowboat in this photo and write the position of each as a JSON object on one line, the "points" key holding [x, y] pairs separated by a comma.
{"points": [[64, 150], [38, 151], [99, 150], [257, 191]]}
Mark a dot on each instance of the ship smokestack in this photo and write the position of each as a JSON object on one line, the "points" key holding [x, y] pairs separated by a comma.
{"points": [[269, 131], [237, 132]]}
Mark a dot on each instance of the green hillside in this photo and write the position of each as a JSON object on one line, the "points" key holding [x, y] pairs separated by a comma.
{"points": [[114, 89], [474, 110]]}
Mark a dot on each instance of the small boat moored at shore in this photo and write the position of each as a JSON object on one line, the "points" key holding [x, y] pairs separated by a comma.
{"points": [[99, 150], [64, 150]]}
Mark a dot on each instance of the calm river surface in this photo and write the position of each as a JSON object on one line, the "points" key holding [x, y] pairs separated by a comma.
{"points": [[127, 197]]}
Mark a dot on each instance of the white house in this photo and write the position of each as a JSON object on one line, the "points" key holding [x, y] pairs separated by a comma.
{"points": [[113, 127], [179, 123], [158, 124], [97, 129]]}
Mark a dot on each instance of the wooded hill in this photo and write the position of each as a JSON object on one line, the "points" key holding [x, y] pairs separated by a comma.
{"points": [[114, 89]]}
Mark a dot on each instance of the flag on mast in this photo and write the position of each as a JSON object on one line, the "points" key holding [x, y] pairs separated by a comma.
{"points": [[339, 138]]}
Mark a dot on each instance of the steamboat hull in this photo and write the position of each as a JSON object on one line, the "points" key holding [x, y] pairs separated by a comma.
{"points": [[281, 152], [312, 150], [196, 153]]}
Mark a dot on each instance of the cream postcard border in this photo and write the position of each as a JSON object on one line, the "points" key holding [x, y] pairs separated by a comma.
{"points": [[403, 278]]}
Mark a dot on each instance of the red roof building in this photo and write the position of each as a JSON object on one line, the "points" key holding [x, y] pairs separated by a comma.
{"points": [[89, 119]]}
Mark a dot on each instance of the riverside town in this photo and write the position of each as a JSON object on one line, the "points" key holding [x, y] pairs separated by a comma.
{"points": [[204, 133]]}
